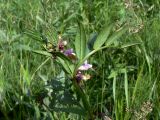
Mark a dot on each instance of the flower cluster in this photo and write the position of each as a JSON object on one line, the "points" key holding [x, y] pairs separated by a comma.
{"points": [[84, 67], [61, 44], [70, 53]]}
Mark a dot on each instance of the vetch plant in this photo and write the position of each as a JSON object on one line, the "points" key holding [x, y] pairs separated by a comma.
{"points": [[57, 86], [75, 62]]}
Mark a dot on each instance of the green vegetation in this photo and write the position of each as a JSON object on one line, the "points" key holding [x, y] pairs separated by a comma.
{"points": [[119, 38]]}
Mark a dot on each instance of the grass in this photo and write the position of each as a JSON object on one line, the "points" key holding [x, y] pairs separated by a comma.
{"points": [[125, 77]]}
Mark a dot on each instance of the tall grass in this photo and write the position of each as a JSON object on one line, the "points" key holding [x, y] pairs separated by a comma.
{"points": [[125, 77]]}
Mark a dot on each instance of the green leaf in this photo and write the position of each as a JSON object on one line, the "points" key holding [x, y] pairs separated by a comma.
{"points": [[102, 37], [112, 75], [42, 53], [61, 55], [65, 65], [115, 36], [69, 18], [23, 47], [37, 112], [130, 44], [26, 76], [68, 98], [80, 42], [33, 34]]}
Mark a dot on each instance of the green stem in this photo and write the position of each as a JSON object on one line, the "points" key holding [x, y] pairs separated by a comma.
{"points": [[84, 98]]}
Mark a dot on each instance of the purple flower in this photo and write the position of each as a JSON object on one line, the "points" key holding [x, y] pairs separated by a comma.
{"points": [[61, 44], [85, 66], [79, 76], [68, 52]]}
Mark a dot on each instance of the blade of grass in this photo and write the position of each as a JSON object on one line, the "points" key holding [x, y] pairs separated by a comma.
{"points": [[126, 87], [130, 44], [114, 88], [139, 78]]}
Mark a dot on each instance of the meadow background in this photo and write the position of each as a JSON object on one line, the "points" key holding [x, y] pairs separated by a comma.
{"points": [[124, 80]]}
